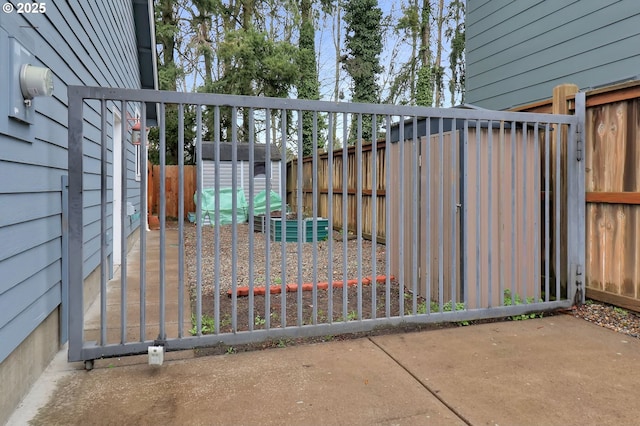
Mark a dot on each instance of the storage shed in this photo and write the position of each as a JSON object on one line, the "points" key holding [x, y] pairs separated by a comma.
{"points": [[243, 174]]}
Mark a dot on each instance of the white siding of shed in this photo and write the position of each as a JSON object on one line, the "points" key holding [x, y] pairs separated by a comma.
{"points": [[243, 172]]}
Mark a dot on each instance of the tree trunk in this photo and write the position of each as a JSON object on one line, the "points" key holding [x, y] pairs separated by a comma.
{"points": [[437, 65]]}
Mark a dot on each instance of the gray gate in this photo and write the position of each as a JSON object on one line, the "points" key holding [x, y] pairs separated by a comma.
{"points": [[468, 214]]}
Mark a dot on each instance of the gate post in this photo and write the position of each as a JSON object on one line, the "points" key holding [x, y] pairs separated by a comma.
{"points": [[75, 210], [576, 205]]}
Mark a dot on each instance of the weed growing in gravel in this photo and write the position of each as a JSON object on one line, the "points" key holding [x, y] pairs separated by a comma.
{"points": [[351, 316], [259, 320], [516, 300], [620, 311], [231, 350], [447, 307], [208, 324], [282, 343], [226, 320]]}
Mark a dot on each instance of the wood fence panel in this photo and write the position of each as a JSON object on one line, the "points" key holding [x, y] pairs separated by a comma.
{"points": [[613, 214], [172, 189], [352, 179]]}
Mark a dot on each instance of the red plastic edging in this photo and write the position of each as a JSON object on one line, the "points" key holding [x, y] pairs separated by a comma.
{"points": [[292, 288]]}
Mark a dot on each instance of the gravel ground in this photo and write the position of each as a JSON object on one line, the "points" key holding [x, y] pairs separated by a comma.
{"points": [[611, 317], [604, 315], [259, 258]]}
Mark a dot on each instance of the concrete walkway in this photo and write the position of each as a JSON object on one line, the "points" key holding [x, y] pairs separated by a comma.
{"points": [[552, 371]]}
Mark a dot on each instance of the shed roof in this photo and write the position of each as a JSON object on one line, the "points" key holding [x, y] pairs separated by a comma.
{"points": [[226, 151]]}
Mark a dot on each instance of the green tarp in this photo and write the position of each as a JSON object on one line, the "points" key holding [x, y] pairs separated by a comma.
{"points": [[260, 202], [226, 205]]}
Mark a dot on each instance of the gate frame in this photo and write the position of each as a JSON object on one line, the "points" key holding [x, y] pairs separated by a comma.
{"points": [[79, 350]]}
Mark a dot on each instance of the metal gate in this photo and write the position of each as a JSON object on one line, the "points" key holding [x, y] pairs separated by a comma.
{"points": [[468, 214]]}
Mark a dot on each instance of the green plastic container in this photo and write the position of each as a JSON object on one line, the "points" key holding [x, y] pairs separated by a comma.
{"points": [[291, 230]]}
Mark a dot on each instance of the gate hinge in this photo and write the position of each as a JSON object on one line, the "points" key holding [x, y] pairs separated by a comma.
{"points": [[580, 142]]}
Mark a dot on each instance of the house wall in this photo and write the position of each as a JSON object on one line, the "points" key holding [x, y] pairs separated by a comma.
{"points": [[89, 43], [517, 51]]}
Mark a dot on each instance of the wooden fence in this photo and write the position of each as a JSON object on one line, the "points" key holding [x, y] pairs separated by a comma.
{"points": [[612, 155], [342, 189], [172, 189]]}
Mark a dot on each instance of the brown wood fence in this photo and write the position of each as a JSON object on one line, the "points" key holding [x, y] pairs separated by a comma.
{"points": [[612, 155], [339, 185], [172, 189]]}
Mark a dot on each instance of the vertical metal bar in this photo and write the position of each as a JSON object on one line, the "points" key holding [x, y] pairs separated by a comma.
{"points": [[64, 294], [465, 215], [345, 220], [490, 213], [557, 207], [478, 214], [571, 213], [441, 214], [387, 218], [374, 214], [199, 219], [299, 216], [536, 214], [251, 216], [234, 221], [578, 216], [525, 222], [75, 252], [360, 219], [453, 213], [501, 214], [123, 215], [415, 171], [216, 215], [547, 219], [514, 222], [330, 169], [314, 166], [103, 222], [427, 220], [143, 219], [266, 226], [402, 230], [163, 144], [180, 220], [283, 220]]}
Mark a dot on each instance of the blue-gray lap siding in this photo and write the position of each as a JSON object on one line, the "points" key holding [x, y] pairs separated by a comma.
{"points": [[83, 43], [518, 51]]}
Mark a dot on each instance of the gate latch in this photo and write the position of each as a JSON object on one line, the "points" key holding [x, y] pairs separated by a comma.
{"points": [[579, 143], [578, 298]]}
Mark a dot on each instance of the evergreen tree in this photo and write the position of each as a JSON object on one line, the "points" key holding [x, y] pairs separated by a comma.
{"points": [[363, 44], [456, 35], [308, 85]]}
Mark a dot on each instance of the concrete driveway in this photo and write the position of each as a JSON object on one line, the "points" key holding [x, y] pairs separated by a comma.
{"points": [[557, 370]]}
